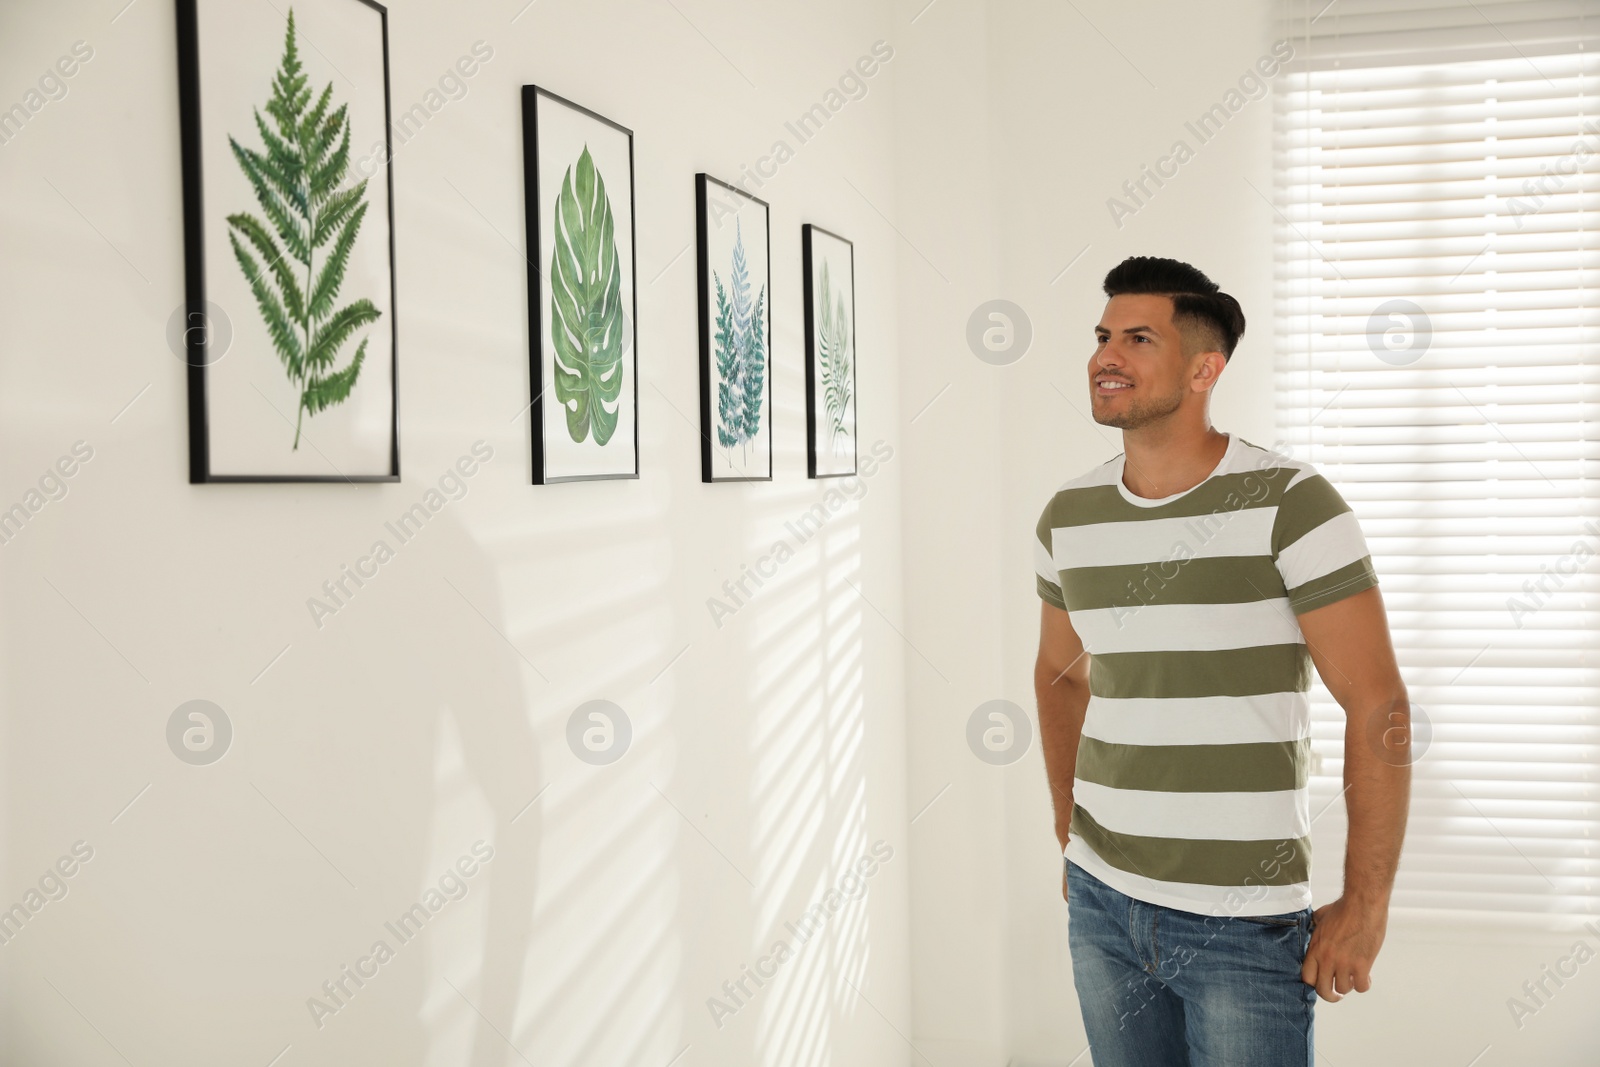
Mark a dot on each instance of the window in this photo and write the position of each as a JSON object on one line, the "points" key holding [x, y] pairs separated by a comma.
{"points": [[1438, 359]]}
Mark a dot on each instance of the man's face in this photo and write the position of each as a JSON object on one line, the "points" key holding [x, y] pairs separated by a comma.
{"points": [[1139, 350]]}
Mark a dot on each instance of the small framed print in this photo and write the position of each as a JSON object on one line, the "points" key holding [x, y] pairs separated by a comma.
{"points": [[735, 333], [828, 267], [578, 174], [290, 331]]}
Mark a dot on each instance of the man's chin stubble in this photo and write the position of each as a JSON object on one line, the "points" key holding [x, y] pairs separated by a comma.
{"points": [[1134, 417]]}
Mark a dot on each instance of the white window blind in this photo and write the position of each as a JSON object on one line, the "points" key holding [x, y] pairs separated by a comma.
{"points": [[1438, 358]]}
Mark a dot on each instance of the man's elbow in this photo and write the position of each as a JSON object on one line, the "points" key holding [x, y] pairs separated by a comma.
{"points": [[1381, 697], [1360, 680], [1381, 713]]}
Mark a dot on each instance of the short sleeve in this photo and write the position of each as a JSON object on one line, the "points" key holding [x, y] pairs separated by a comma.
{"points": [[1318, 546], [1048, 578]]}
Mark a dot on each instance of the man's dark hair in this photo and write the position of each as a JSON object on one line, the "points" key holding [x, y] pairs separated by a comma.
{"points": [[1209, 319]]}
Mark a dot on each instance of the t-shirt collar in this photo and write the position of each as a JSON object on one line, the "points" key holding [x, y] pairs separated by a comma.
{"points": [[1146, 502]]}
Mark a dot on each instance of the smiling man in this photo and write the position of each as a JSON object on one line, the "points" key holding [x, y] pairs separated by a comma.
{"points": [[1188, 586]]}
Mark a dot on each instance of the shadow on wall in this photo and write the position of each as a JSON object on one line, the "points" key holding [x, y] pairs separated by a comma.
{"points": [[560, 972], [457, 703], [422, 691], [365, 876]]}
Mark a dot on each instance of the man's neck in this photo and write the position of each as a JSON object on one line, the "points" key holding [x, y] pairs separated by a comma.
{"points": [[1163, 460]]}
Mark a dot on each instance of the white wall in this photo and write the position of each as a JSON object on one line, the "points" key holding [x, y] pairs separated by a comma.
{"points": [[769, 753], [952, 542]]}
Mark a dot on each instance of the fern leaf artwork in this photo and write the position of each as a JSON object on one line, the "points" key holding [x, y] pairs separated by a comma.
{"points": [[741, 351], [586, 320], [729, 401], [305, 236], [755, 367], [833, 339]]}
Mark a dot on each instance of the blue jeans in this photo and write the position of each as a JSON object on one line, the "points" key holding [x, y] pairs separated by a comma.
{"points": [[1161, 987]]}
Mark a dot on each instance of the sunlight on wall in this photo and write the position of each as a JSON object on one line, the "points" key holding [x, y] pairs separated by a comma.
{"points": [[808, 797]]}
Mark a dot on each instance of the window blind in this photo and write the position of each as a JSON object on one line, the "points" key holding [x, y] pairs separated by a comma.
{"points": [[1437, 197]]}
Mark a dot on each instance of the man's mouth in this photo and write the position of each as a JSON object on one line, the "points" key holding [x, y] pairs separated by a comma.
{"points": [[1106, 386]]}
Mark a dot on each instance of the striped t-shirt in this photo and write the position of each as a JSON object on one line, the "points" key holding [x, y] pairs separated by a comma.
{"points": [[1190, 789]]}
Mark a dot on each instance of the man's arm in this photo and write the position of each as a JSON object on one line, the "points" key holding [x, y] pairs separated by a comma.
{"points": [[1350, 646], [1061, 684]]}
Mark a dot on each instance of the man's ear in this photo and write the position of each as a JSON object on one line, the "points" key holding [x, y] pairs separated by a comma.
{"points": [[1208, 368]]}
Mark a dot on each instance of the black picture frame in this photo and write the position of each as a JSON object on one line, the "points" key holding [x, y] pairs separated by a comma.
{"points": [[198, 334], [807, 265], [532, 95], [708, 378]]}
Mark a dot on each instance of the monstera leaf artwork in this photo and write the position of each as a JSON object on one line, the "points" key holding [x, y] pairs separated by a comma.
{"points": [[583, 365], [833, 343], [586, 320], [308, 226]]}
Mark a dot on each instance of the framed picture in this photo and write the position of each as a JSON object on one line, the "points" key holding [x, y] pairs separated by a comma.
{"points": [[578, 172], [828, 266], [289, 320], [735, 333]]}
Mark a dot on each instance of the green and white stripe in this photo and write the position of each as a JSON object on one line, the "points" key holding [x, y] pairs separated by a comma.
{"points": [[1190, 789]]}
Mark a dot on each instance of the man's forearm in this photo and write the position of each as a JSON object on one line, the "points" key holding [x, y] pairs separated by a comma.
{"points": [[1062, 703], [1377, 777]]}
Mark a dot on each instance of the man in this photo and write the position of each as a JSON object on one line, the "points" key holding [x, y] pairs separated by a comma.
{"points": [[1188, 585]]}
